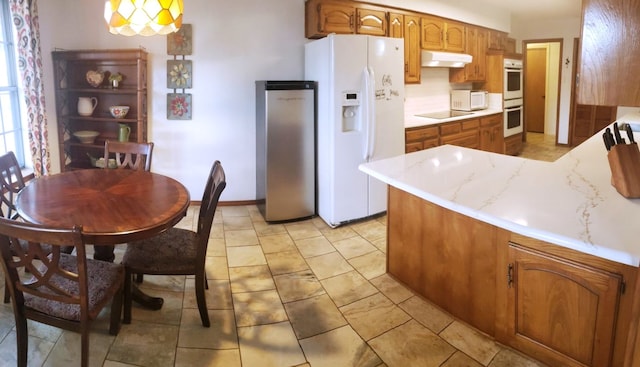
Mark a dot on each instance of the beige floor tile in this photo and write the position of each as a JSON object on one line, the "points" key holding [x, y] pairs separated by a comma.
{"points": [[348, 287], [109, 363], [237, 223], [301, 230], [242, 237], [258, 308], [380, 243], [218, 296], [188, 357], [510, 358], [471, 342], [374, 315], [145, 344], [370, 230], [216, 247], [234, 211], [427, 314], [169, 314], [220, 335], [313, 316], [263, 228], [411, 344], [337, 234], [315, 246], [354, 247], [216, 268], [339, 347], [165, 283], [298, 286], [245, 256], [66, 351], [286, 262], [371, 265], [38, 350], [251, 279], [460, 359], [217, 230], [391, 288], [325, 266], [277, 338], [277, 243]]}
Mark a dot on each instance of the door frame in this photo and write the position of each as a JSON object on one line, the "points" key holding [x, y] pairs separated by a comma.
{"points": [[525, 44]]}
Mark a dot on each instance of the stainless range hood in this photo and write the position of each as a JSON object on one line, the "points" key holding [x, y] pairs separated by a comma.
{"points": [[439, 59]]}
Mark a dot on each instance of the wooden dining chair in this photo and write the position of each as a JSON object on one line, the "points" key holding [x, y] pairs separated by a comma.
{"points": [[11, 182], [178, 251], [129, 154], [58, 289]]}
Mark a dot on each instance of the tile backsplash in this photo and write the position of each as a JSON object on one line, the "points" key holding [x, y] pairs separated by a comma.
{"points": [[432, 94]]}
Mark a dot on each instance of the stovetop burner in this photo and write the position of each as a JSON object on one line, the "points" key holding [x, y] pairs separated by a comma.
{"points": [[444, 114]]}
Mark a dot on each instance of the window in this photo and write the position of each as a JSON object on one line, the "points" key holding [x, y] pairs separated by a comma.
{"points": [[12, 137]]}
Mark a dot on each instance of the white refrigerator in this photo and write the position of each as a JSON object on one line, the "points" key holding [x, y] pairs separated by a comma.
{"points": [[360, 118]]}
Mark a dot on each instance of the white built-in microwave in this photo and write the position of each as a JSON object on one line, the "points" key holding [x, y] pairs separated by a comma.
{"points": [[469, 100]]}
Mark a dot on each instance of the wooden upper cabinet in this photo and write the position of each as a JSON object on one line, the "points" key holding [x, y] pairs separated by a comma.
{"points": [[607, 63], [432, 33], [495, 39], [396, 25], [454, 40], [323, 17], [476, 46], [371, 22], [412, 51], [561, 311], [336, 18], [442, 35]]}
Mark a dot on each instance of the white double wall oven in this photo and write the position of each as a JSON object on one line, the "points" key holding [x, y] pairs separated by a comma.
{"points": [[513, 100]]}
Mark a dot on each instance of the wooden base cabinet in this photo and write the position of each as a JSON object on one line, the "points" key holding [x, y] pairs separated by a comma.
{"points": [[557, 305], [560, 311]]}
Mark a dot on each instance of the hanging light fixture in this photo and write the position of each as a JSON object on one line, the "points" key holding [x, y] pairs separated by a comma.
{"points": [[143, 17]]}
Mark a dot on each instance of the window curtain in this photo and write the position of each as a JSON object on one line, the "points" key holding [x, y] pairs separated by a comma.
{"points": [[25, 21]]}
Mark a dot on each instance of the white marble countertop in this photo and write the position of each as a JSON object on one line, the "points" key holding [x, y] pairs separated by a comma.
{"points": [[569, 202], [415, 121]]}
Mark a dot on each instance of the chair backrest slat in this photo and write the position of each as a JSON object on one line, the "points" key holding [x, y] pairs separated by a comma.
{"points": [[129, 154]]}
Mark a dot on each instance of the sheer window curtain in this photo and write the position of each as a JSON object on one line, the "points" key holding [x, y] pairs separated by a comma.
{"points": [[25, 21]]}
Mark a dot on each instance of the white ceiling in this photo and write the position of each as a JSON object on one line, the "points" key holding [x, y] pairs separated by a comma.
{"points": [[538, 8]]}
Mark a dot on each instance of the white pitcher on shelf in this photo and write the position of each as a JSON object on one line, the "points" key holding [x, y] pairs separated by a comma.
{"points": [[86, 105]]}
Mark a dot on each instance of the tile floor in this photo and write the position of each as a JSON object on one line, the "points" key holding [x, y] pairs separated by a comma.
{"points": [[294, 294], [543, 147]]}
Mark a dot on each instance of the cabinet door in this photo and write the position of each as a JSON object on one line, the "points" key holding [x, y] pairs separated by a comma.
{"points": [[491, 134], [454, 37], [412, 50], [432, 31], [496, 40], [396, 25], [371, 22], [513, 144], [561, 311], [334, 18]]}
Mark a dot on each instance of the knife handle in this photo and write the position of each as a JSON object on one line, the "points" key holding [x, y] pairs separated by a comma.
{"points": [[627, 127], [616, 132]]}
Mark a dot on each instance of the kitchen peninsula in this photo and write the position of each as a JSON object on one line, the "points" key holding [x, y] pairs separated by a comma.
{"points": [[542, 256]]}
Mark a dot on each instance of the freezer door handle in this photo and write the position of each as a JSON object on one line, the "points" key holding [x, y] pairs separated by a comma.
{"points": [[368, 112]]}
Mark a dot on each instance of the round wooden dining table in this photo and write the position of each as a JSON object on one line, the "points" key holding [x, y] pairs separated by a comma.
{"points": [[113, 206]]}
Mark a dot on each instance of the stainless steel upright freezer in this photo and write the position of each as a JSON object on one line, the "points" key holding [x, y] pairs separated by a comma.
{"points": [[286, 149]]}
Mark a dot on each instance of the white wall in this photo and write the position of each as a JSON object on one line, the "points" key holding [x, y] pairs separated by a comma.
{"points": [[234, 43], [567, 29]]}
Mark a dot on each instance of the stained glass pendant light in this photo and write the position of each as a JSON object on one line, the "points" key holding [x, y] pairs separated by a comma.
{"points": [[143, 17]]}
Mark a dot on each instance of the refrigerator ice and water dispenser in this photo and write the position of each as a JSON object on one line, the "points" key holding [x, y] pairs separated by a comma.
{"points": [[350, 110]]}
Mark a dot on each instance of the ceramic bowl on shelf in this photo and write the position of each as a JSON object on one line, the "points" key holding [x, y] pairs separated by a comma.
{"points": [[86, 136], [95, 78], [119, 112]]}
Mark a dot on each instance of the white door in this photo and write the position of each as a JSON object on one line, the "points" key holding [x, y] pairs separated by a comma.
{"points": [[386, 60]]}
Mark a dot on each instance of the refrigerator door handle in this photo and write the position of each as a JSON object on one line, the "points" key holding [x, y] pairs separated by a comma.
{"points": [[368, 112]]}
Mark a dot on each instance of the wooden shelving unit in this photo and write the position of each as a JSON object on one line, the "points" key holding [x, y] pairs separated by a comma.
{"points": [[70, 70]]}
